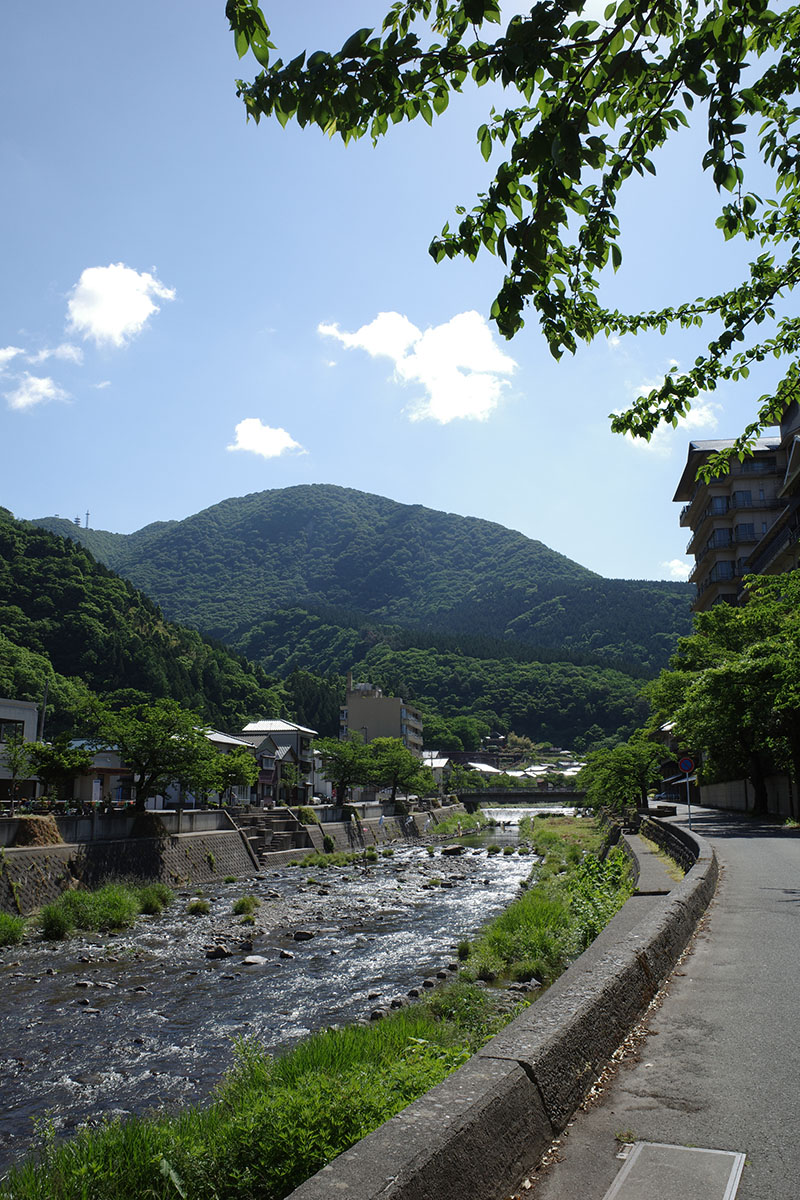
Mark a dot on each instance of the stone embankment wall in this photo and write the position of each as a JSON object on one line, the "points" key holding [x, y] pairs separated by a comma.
{"points": [[36, 875], [481, 1131]]}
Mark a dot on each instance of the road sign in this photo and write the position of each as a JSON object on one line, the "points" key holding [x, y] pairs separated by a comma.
{"points": [[686, 765]]}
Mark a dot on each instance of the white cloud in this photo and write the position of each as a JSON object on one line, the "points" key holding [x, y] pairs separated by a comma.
{"points": [[104, 383], [678, 568], [458, 363], [66, 352], [262, 439], [33, 390], [6, 355], [113, 303]]}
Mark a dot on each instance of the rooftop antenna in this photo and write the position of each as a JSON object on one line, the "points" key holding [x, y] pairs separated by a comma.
{"points": [[77, 522], [87, 519]]}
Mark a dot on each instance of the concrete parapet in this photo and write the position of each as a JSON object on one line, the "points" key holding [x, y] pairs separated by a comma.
{"points": [[477, 1134]]}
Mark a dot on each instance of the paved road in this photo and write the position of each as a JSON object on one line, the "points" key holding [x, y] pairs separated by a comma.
{"points": [[721, 1065]]}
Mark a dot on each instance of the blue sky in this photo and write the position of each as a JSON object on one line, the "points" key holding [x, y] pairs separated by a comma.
{"points": [[195, 308]]}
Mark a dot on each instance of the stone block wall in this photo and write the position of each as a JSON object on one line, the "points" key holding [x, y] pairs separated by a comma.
{"points": [[35, 876]]}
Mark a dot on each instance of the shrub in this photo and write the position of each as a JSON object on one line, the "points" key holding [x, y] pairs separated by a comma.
{"points": [[387, 852], [154, 898], [55, 922], [464, 950], [12, 929], [328, 844], [229, 879], [198, 908], [431, 851], [307, 816], [494, 849], [246, 905]]}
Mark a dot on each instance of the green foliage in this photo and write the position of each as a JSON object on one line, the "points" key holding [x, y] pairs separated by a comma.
{"points": [[162, 745], [328, 844], [246, 905], [69, 620], [621, 777], [112, 907], [12, 929], [154, 898], [198, 908], [306, 815], [591, 105], [57, 763], [733, 689]]}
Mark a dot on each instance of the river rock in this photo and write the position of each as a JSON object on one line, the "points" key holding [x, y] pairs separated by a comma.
{"points": [[429, 983], [441, 974], [398, 1002], [454, 849], [288, 954], [254, 960], [83, 983], [377, 1014], [414, 993], [302, 935], [218, 952], [373, 996]]}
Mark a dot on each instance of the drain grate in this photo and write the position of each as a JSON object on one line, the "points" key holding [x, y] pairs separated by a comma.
{"points": [[655, 1171]]}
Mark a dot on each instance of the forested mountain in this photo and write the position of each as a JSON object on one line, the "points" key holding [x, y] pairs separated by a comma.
{"points": [[72, 621], [234, 571]]}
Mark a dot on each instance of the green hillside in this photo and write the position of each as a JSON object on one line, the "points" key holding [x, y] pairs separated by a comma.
{"points": [[70, 620], [229, 570]]}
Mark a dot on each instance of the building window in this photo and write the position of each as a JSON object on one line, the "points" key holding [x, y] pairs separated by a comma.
{"points": [[11, 729], [719, 505], [743, 499], [745, 533]]}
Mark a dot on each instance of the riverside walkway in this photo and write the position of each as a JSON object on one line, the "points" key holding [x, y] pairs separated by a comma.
{"points": [[719, 1067]]}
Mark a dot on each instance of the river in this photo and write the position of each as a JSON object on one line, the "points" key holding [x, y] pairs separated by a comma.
{"points": [[105, 1025]]}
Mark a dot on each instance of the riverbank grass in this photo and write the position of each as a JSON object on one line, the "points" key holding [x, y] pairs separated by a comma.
{"points": [[110, 908], [273, 1122], [12, 929]]}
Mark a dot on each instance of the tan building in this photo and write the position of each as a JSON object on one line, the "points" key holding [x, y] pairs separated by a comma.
{"points": [[368, 712], [741, 522]]}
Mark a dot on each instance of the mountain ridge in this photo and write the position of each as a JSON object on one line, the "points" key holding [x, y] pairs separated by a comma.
{"points": [[232, 566]]}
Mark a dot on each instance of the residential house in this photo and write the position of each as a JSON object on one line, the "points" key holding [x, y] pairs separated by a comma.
{"points": [[278, 744], [16, 717]]}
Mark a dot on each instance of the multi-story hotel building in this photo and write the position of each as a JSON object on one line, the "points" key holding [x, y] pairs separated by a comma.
{"points": [[368, 712], [746, 522]]}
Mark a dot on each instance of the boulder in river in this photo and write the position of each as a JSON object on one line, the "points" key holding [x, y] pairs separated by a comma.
{"points": [[454, 849], [303, 935], [218, 952]]}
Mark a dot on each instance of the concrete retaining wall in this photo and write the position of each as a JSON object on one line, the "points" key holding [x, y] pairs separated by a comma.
{"points": [[477, 1134], [36, 875]]}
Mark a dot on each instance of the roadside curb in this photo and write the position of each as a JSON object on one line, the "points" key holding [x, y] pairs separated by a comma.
{"points": [[480, 1131]]}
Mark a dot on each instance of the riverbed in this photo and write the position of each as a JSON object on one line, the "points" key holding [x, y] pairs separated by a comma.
{"points": [[103, 1025]]}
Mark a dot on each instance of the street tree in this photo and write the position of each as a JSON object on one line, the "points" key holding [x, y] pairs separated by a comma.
{"points": [[57, 763], [623, 775], [588, 104], [346, 763], [733, 689], [392, 765], [15, 757], [237, 769], [161, 743]]}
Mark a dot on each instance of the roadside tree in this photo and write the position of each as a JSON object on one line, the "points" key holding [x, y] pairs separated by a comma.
{"points": [[587, 106], [17, 761], [161, 743], [392, 765], [237, 769], [623, 775], [346, 764], [57, 763]]}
